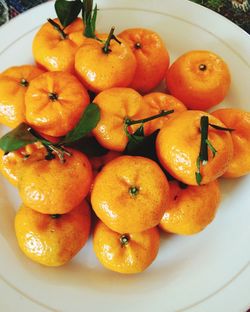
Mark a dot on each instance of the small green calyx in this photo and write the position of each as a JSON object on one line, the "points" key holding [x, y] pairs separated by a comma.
{"points": [[53, 96], [24, 83], [133, 191], [124, 240], [137, 45], [202, 67], [55, 216]]}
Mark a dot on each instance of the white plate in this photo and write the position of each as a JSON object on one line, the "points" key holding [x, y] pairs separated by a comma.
{"points": [[205, 272]]}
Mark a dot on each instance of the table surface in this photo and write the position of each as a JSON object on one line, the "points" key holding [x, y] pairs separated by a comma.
{"points": [[238, 11]]}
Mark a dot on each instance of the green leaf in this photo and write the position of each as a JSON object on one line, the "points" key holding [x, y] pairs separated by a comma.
{"points": [[140, 145], [87, 123], [89, 18], [67, 11], [17, 138], [213, 150], [146, 148], [140, 131], [221, 128], [87, 7], [135, 140]]}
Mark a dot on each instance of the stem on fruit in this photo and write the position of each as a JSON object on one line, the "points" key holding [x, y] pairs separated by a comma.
{"points": [[202, 67], [106, 49], [205, 144], [129, 122], [55, 216], [58, 28], [24, 82], [133, 191], [204, 135], [53, 96], [137, 45], [124, 240], [59, 151]]}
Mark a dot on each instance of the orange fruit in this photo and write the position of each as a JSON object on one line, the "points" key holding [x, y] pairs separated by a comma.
{"points": [[155, 103], [52, 240], [190, 208], [130, 194], [11, 163], [151, 56], [52, 51], [55, 102], [45, 183], [13, 85], [240, 121], [200, 79], [125, 253], [99, 70], [178, 145], [115, 105]]}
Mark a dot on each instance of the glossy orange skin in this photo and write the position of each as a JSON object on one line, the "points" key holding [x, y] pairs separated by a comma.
{"points": [[178, 146], [12, 92], [199, 89], [155, 103], [152, 58], [131, 258], [99, 71], [191, 209], [240, 121], [55, 117], [52, 241], [115, 105], [113, 202], [45, 183], [54, 53], [11, 163]]}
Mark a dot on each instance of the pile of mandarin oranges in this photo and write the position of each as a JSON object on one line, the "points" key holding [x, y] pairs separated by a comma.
{"points": [[95, 149]]}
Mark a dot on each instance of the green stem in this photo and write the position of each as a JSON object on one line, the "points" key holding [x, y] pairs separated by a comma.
{"points": [[205, 144], [106, 49], [204, 136], [58, 28], [129, 122], [59, 151]]}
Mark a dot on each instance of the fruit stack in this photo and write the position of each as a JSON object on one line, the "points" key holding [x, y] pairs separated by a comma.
{"points": [[91, 139]]}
